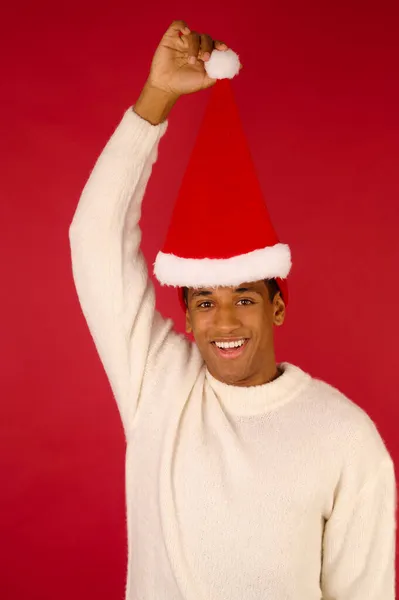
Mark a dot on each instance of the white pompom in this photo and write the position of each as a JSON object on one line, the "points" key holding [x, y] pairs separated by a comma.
{"points": [[223, 65]]}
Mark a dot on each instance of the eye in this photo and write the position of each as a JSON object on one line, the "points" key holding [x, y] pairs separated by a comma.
{"points": [[245, 302], [205, 304]]}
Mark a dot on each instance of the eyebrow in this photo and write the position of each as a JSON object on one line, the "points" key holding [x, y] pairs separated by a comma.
{"points": [[238, 290], [248, 288], [201, 293]]}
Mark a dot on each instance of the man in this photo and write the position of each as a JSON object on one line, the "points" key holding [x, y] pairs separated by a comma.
{"points": [[244, 478]]}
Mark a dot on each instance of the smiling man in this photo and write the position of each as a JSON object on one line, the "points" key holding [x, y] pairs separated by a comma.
{"points": [[245, 479], [233, 329]]}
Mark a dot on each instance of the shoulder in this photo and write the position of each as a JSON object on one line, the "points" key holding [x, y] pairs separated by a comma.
{"points": [[348, 427]]}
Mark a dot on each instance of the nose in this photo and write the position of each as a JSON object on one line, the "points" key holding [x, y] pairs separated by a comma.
{"points": [[226, 320]]}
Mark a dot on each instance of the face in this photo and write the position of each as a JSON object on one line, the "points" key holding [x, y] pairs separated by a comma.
{"points": [[233, 328]]}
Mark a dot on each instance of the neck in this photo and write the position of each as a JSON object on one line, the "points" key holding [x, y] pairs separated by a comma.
{"points": [[269, 372]]}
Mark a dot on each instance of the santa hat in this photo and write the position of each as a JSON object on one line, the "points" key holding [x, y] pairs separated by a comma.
{"points": [[221, 233]]}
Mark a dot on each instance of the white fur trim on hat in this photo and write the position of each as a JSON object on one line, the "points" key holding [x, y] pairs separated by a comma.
{"points": [[223, 64], [266, 263]]}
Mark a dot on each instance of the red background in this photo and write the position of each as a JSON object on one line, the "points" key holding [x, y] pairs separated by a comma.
{"points": [[319, 102]]}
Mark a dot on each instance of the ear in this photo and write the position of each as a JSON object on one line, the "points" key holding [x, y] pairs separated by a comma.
{"points": [[189, 328], [278, 310]]}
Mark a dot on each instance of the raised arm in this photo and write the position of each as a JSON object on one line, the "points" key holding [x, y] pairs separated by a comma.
{"points": [[115, 293]]}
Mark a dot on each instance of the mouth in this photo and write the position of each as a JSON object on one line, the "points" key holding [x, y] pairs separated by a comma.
{"points": [[229, 349]]}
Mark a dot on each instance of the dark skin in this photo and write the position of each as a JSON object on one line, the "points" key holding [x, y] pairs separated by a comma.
{"points": [[234, 313]]}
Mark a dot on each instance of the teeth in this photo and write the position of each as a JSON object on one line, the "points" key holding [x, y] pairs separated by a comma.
{"points": [[236, 344]]}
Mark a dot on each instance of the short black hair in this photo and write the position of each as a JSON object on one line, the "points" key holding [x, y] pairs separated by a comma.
{"points": [[271, 285]]}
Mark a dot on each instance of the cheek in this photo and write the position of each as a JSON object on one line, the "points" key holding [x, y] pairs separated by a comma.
{"points": [[199, 324], [202, 325], [259, 322]]}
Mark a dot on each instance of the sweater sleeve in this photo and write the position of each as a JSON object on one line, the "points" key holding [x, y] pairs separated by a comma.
{"points": [[359, 542], [115, 293]]}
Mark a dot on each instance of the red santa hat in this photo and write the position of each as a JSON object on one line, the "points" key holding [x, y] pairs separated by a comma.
{"points": [[221, 233]]}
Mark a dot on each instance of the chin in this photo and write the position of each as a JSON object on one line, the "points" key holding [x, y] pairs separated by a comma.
{"points": [[232, 375], [230, 379]]}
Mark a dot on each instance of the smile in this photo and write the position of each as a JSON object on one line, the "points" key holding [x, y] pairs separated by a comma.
{"points": [[230, 349]]}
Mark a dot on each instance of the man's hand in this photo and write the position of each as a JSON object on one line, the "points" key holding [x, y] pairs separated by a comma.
{"points": [[177, 69], [178, 64]]}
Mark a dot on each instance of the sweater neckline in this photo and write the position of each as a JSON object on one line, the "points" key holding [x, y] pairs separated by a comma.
{"points": [[259, 399]]}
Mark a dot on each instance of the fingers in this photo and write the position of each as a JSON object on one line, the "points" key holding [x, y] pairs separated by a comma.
{"points": [[221, 46], [179, 27], [193, 40], [206, 47], [199, 46]]}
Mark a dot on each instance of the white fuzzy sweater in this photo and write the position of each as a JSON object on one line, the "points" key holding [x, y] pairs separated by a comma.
{"points": [[283, 491]]}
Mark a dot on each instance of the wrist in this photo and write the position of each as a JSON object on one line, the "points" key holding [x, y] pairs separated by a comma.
{"points": [[154, 104]]}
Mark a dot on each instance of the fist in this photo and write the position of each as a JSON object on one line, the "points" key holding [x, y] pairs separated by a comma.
{"points": [[178, 67]]}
